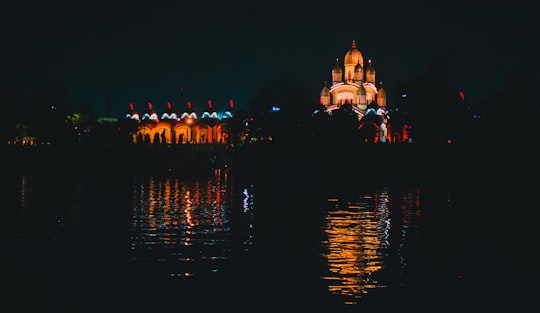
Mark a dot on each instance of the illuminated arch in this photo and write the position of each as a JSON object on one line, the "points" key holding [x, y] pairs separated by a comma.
{"points": [[182, 134], [203, 134], [164, 131], [145, 131]]}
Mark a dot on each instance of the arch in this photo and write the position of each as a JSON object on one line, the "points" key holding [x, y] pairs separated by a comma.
{"points": [[146, 133], [164, 133], [203, 134], [182, 134]]}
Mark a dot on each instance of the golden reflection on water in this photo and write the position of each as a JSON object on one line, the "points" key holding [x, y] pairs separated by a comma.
{"points": [[185, 224], [25, 199], [357, 240]]}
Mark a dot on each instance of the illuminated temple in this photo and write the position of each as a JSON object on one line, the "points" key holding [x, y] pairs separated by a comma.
{"points": [[184, 127], [354, 87]]}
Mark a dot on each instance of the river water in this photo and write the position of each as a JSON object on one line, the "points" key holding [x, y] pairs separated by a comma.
{"points": [[97, 241]]}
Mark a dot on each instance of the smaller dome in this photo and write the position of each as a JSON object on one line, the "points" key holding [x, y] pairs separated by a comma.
{"points": [[370, 72], [370, 68], [381, 93], [325, 90], [337, 68], [381, 96]]}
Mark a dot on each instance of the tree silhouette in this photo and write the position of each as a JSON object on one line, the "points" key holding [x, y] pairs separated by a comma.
{"points": [[16, 110], [510, 115], [435, 108], [237, 127], [282, 107], [48, 109]]}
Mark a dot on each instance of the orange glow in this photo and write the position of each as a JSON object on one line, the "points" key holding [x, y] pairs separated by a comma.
{"points": [[354, 251], [181, 217]]}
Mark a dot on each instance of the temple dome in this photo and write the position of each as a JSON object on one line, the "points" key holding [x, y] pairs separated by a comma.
{"points": [[353, 56], [325, 91]]}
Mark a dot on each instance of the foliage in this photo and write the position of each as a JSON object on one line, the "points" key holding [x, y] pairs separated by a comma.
{"points": [[434, 107]]}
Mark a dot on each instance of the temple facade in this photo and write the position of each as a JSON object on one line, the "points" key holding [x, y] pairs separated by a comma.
{"points": [[353, 86], [186, 127]]}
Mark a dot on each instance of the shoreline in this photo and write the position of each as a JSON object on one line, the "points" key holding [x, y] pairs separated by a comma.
{"points": [[271, 160]]}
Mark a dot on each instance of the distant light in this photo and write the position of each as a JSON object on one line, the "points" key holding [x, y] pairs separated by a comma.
{"points": [[276, 109], [462, 96], [404, 95]]}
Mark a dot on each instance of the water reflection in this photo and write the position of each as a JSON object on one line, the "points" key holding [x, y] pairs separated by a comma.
{"points": [[38, 213], [25, 199], [409, 228], [204, 227], [187, 225], [357, 241]]}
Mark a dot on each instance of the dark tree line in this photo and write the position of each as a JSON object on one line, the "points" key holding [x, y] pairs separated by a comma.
{"points": [[511, 115], [434, 107]]}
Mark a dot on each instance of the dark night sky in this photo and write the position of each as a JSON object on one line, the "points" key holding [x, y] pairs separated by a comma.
{"points": [[159, 51]]}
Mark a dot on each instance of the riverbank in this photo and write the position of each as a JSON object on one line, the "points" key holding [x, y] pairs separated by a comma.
{"points": [[328, 162], [114, 160]]}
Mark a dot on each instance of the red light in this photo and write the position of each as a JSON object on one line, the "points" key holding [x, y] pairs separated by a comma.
{"points": [[462, 96], [209, 104], [231, 103]]}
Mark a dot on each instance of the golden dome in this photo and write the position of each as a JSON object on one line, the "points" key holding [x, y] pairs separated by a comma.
{"points": [[381, 96], [381, 93], [337, 69], [370, 68], [353, 56], [325, 91]]}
